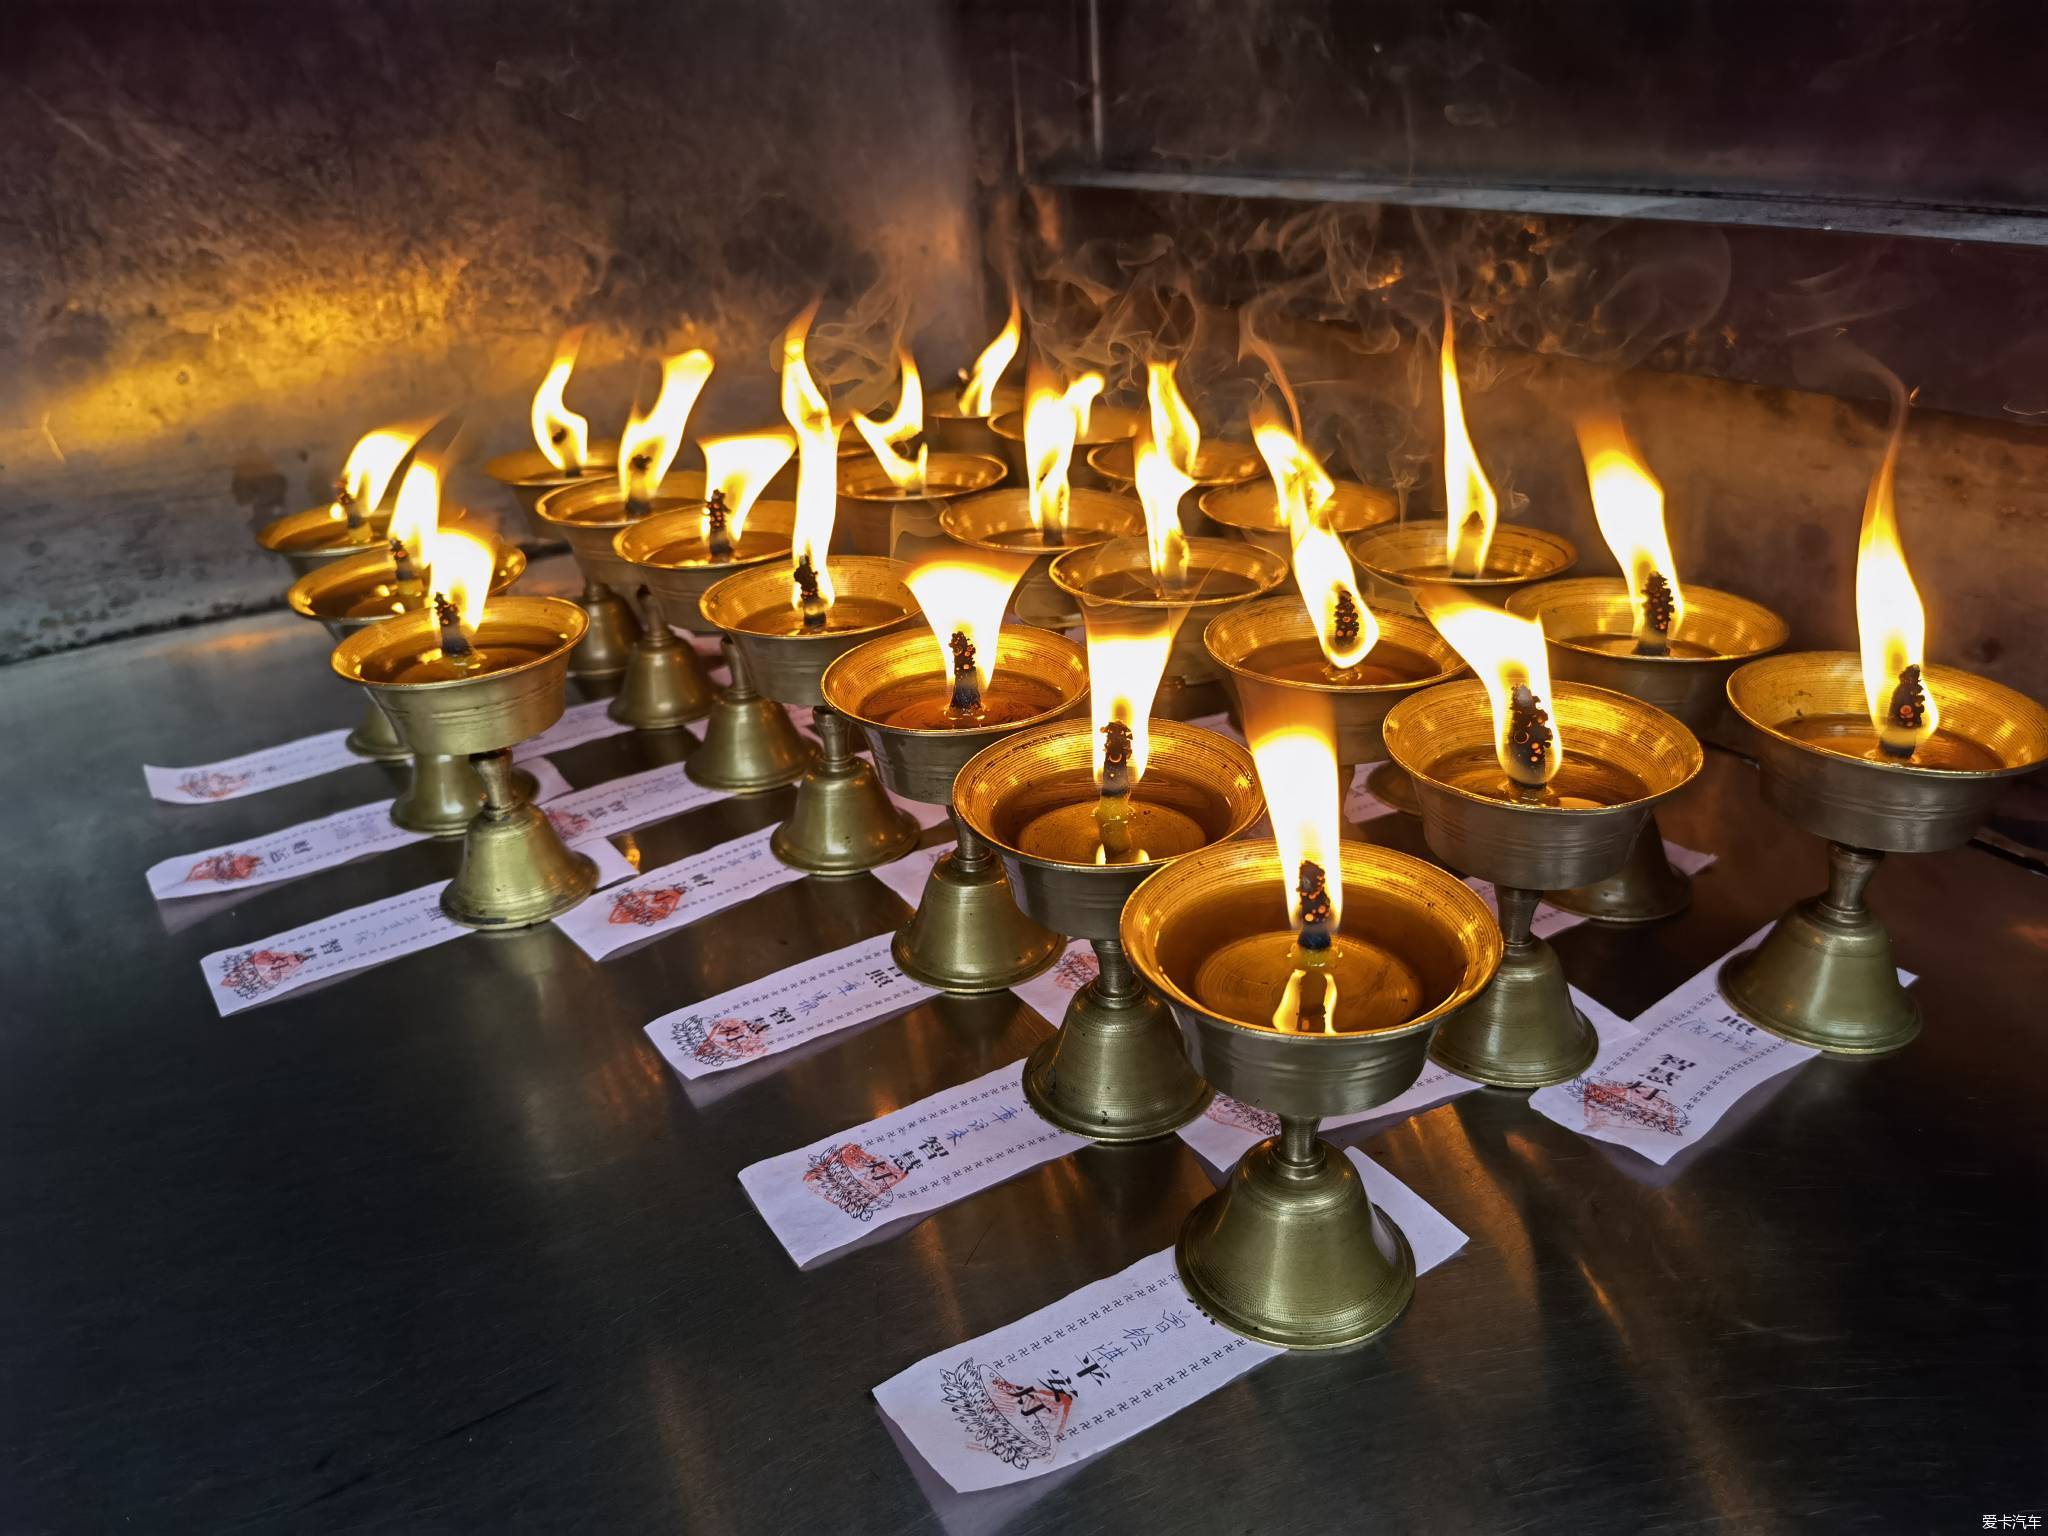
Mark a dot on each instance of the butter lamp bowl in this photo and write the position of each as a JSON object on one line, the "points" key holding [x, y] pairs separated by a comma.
{"points": [[1397, 557], [872, 508], [1252, 511]]}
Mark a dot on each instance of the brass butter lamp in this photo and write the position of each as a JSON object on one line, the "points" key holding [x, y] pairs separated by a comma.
{"points": [[1877, 752], [886, 494], [1254, 511], [475, 677], [1534, 786], [1076, 837], [443, 792], [1106, 424], [1291, 1251], [926, 706], [958, 419]]}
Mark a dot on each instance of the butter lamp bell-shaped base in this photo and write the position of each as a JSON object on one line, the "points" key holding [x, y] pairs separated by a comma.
{"points": [[666, 686], [602, 651], [1117, 1070], [1644, 890], [750, 743], [844, 822], [1823, 975], [1291, 1250], [967, 934], [444, 795], [515, 871], [376, 738], [1523, 1031]]}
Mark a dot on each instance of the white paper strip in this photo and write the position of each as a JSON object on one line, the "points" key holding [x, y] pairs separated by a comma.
{"points": [[1051, 990], [909, 1163], [907, 876], [1226, 1129], [252, 772], [1691, 1057], [303, 849], [588, 721], [676, 895], [1089, 1372], [621, 805], [348, 941], [833, 992]]}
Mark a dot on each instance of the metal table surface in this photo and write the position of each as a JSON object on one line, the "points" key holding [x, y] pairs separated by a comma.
{"points": [[443, 1245]]}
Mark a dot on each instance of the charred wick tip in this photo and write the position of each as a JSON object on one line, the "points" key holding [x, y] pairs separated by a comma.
{"points": [[1529, 733], [449, 617], [1312, 884], [1906, 714], [1116, 745], [1659, 608], [966, 685], [1344, 624]]}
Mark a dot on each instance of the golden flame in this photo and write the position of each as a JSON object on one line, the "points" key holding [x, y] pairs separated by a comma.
{"points": [[562, 435], [1629, 505], [1174, 427], [418, 512], [649, 444], [1891, 624], [1053, 421], [978, 397], [904, 423], [739, 469], [460, 567], [1161, 485], [964, 593], [1471, 508], [372, 462], [1127, 653], [1297, 766], [1302, 488], [809, 415], [1507, 654]]}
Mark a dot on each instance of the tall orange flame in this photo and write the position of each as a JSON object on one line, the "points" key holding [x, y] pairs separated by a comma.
{"points": [[1054, 420], [459, 567], [809, 415], [902, 424], [649, 444], [1174, 427], [371, 464], [1470, 507], [418, 512], [562, 435], [978, 397], [1161, 485], [1302, 488], [1891, 624], [963, 594], [1508, 656], [1628, 503], [737, 469]]}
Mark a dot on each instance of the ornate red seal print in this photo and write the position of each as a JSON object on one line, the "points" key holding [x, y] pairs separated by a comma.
{"points": [[1016, 1424], [646, 907], [225, 868], [255, 971], [213, 786], [853, 1179], [1225, 1110], [1608, 1104]]}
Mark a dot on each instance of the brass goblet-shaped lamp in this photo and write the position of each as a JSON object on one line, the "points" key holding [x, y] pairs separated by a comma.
{"points": [[1169, 573], [1879, 753], [957, 420], [886, 496], [1305, 1020], [1080, 813], [475, 677], [443, 792], [1256, 511], [927, 703], [1534, 787], [1646, 636], [664, 685], [1105, 424], [682, 550], [563, 456], [1171, 426]]}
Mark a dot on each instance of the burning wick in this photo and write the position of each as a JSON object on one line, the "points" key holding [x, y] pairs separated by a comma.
{"points": [[1113, 809], [404, 574], [1906, 716], [639, 464], [966, 699], [454, 643], [1344, 622], [1311, 995], [809, 598], [716, 535], [351, 505], [1659, 610], [1529, 738]]}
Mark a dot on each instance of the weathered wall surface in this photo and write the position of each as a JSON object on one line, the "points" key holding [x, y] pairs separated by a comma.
{"points": [[234, 236]]}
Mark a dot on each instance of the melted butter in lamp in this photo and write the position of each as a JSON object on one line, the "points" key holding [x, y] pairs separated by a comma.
{"points": [[1853, 736], [1579, 785], [847, 613], [496, 646], [1625, 645], [382, 600], [1302, 661], [924, 703], [692, 549], [1204, 584], [1246, 979], [1070, 834]]}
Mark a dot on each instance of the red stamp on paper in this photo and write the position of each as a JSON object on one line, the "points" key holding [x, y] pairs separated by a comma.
{"points": [[213, 786], [720, 1042], [1610, 1104], [1015, 1423], [1075, 971], [854, 1179], [644, 908], [225, 868], [256, 971], [1225, 1110], [570, 825]]}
